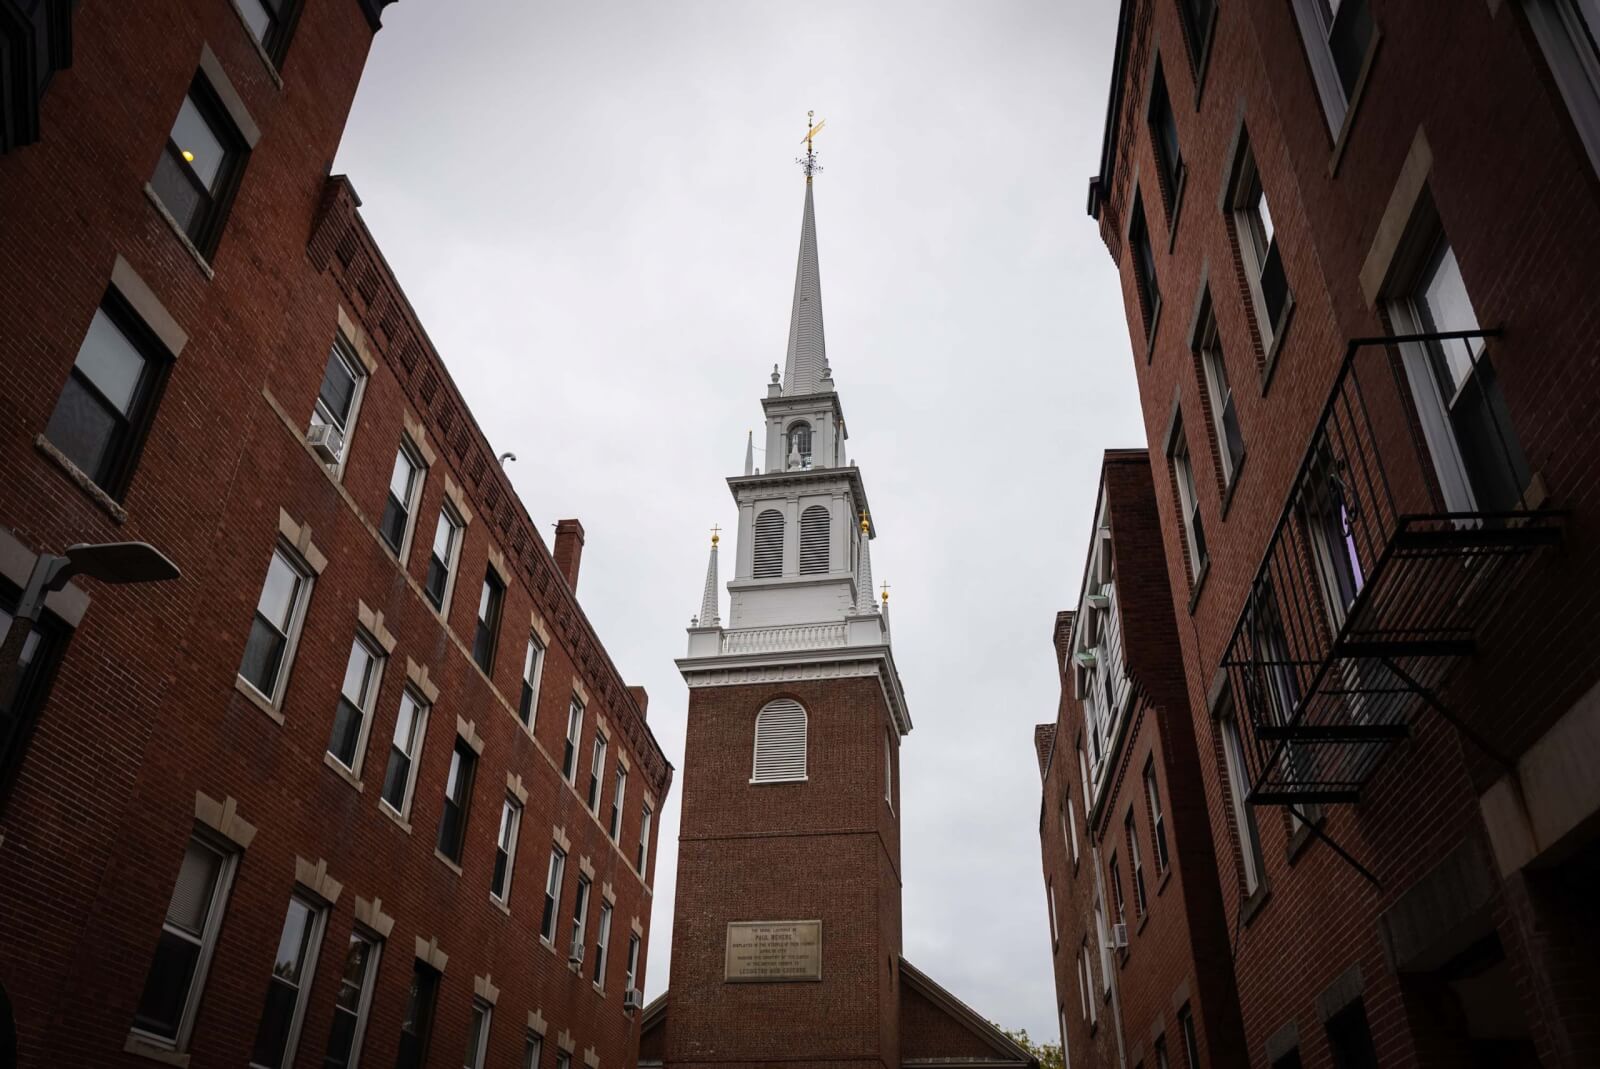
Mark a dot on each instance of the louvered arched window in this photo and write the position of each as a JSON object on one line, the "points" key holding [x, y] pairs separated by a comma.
{"points": [[814, 540], [780, 742], [769, 544]]}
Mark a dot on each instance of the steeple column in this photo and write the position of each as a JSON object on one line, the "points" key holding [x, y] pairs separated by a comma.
{"points": [[745, 560], [839, 534], [791, 535]]}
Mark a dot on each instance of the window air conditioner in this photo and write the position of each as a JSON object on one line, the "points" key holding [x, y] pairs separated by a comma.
{"points": [[326, 441], [1087, 658], [575, 957], [1119, 936], [630, 999]]}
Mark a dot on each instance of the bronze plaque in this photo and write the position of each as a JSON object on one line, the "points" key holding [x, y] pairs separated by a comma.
{"points": [[767, 951]]}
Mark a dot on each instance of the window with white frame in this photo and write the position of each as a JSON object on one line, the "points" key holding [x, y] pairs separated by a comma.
{"points": [[552, 894], [442, 558], [400, 774], [505, 849], [1244, 822], [602, 945], [569, 750], [780, 750], [1191, 1048], [1114, 878], [1086, 983], [354, 1001], [888, 770], [619, 795], [339, 399], [478, 1034], [1144, 268], [532, 1050], [532, 669], [275, 629], [580, 920], [1259, 252], [1135, 865], [487, 635], [563, 1060], [630, 981], [405, 482], [357, 695], [1164, 135], [1194, 535], [597, 769], [1568, 31], [289, 985], [642, 855], [416, 1027], [1069, 827], [1055, 930], [1088, 799], [1198, 16], [457, 800], [1338, 34], [1158, 818], [171, 997], [1219, 397], [1103, 934], [768, 545]]}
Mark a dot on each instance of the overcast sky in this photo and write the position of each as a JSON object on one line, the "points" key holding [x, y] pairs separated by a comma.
{"points": [[595, 209]]}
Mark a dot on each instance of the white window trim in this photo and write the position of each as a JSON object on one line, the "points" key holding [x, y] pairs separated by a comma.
{"points": [[1325, 75], [597, 769], [888, 771], [297, 619], [208, 945], [1055, 928], [1210, 359], [619, 800], [420, 466], [485, 1020], [556, 874], [533, 674], [380, 662], [1182, 459], [1158, 817], [308, 973], [515, 809], [423, 711], [368, 983], [1557, 25], [1432, 410], [644, 838], [630, 977], [1069, 818], [452, 566], [535, 1040], [575, 714], [1247, 177], [602, 943], [580, 920], [358, 369], [1249, 850]]}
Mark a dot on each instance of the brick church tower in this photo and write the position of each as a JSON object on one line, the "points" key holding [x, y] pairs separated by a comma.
{"points": [[786, 936]]}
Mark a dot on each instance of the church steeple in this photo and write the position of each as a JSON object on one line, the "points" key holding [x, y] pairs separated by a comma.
{"points": [[807, 362]]}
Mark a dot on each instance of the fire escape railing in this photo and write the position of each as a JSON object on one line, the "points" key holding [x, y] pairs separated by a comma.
{"points": [[1372, 587]]}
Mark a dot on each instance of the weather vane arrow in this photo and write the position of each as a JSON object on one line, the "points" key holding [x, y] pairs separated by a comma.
{"points": [[808, 162]]}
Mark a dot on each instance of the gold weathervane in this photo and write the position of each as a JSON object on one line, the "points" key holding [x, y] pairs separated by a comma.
{"points": [[808, 162]]}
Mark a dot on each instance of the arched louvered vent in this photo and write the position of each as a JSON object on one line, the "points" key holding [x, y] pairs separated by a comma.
{"points": [[814, 540], [780, 742], [769, 545]]}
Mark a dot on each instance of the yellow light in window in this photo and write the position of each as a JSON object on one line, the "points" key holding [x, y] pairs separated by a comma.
{"points": [[188, 157]]}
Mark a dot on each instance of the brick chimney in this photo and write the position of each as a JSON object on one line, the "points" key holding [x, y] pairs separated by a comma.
{"points": [[1044, 739], [569, 550], [640, 698], [1063, 637]]}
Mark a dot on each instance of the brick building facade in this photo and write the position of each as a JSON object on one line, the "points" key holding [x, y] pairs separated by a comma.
{"points": [[1141, 959], [370, 725], [1356, 243]]}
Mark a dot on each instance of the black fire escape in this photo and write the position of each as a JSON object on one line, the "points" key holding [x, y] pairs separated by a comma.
{"points": [[1373, 588]]}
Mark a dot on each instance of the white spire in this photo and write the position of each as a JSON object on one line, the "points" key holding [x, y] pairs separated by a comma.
{"points": [[749, 452], [866, 603], [709, 616], [807, 363]]}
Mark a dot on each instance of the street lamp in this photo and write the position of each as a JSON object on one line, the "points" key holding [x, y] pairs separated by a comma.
{"points": [[109, 562]]}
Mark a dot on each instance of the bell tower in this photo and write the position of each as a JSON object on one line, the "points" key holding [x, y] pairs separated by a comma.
{"points": [[786, 936]]}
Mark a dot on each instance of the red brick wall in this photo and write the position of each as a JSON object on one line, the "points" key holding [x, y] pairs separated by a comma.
{"points": [[1517, 198], [827, 849], [144, 713]]}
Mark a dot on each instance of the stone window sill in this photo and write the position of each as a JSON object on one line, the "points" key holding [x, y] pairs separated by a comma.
{"points": [[387, 810], [81, 480], [1199, 584], [145, 1049], [199, 257], [257, 699], [1269, 362], [499, 903], [342, 772], [1254, 904], [1166, 878], [451, 865]]}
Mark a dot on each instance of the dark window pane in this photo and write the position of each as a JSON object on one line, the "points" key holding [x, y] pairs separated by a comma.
{"points": [[262, 655], [450, 831], [199, 144], [1274, 288], [338, 388], [257, 17], [84, 428], [178, 193], [525, 703], [166, 989], [341, 1037], [438, 575], [111, 362], [499, 884], [1348, 41], [394, 779], [346, 732], [273, 1033], [393, 524]]}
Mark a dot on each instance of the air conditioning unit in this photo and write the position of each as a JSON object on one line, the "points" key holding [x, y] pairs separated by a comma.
{"points": [[327, 441], [1087, 658], [630, 999], [1119, 936], [575, 958]]}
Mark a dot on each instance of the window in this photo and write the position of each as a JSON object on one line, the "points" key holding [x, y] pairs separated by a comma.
{"points": [[552, 894], [532, 669], [1141, 904], [532, 1051], [172, 989], [1164, 133], [1086, 983], [457, 798], [1350, 1038], [505, 849], [780, 742], [814, 535], [199, 167], [36, 665], [1061, 1017], [643, 854], [1244, 821], [1144, 269], [1463, 412], [888, 770], [1055, 930], [1259, 254], [442, 558], [1338, 35], [276, 627], [404, 482], [1114, 878], [483, 642], [416, 1027], [271, 21], [356, 697], [1162, 1062], [292, 970], [798, 452], [1069, 827], [338, 398], [569, 751], [769, 545], [580, 920], [354, 1001], [1194, 535], [400, 776], [1198, 16], [602, 944], [1328, 520], [1569, 33], [630, 982], [1158, 818], [478, 1035], [1219, 398], [619, 795], [104, 411], [1088, 802], [597, 764], [1191, 1049], [563, 1060]]}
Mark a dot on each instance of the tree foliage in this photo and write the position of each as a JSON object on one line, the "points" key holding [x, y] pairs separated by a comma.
{"points": [[1049, 1054]]}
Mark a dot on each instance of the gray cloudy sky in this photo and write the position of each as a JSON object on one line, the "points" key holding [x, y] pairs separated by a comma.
{"points": [[595, 210]]}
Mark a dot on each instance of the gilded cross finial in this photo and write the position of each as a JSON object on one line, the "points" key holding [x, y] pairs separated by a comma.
{"points": [[885, 591], [716, 533], [808, 162], [866, 525]]}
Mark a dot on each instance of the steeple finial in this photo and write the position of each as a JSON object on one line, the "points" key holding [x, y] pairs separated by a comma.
{"points": [[709, 615], [809, 161]]}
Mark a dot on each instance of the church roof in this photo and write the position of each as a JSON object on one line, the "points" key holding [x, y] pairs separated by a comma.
{"points": [[807, 360]]}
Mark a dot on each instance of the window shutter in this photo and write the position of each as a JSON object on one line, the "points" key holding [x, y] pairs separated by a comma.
{"points": [[780, 742], [814, 541], [769, 545]]}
